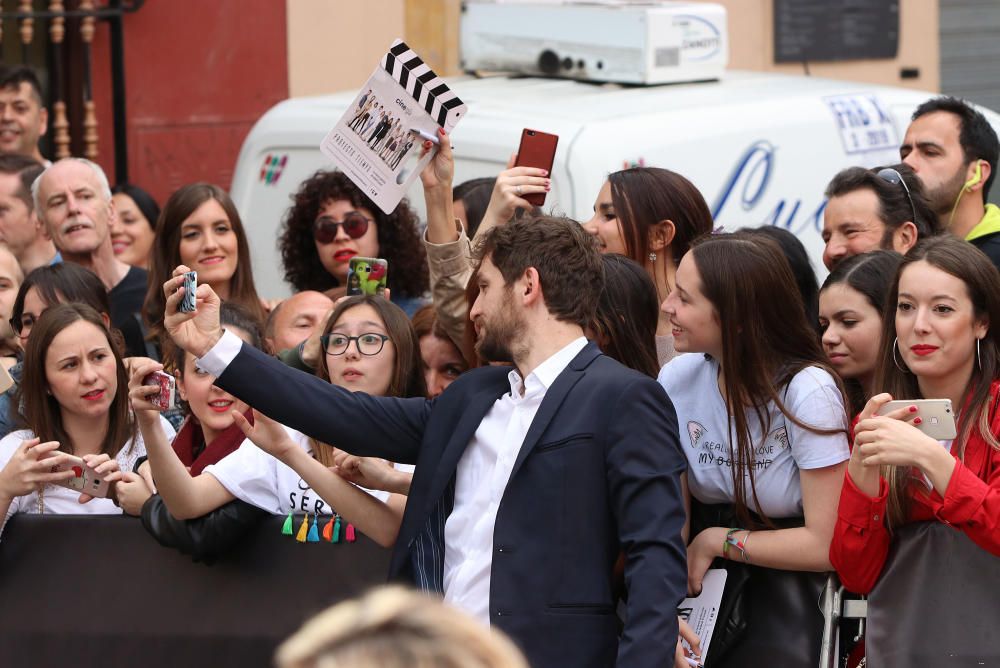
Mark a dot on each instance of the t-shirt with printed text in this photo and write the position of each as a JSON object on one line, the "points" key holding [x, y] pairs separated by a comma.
{"points": [[812, 396]]}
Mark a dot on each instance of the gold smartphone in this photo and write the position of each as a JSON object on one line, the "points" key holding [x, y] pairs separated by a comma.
{"points": [[937, 419]]}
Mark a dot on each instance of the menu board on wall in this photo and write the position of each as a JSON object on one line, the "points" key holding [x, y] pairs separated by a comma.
{"points": [[828, 30]]}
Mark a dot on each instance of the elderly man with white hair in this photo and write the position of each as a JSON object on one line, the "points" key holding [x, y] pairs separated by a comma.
{"points": [[73, 200]]}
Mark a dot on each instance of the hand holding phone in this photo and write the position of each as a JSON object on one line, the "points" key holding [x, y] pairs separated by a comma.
{"points": [[166, 399], [537, 149], [937, 419], [85, 480], [188, 301]]}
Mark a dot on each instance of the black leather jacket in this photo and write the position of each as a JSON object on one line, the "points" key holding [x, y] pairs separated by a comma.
{"points": [[205, 538]]}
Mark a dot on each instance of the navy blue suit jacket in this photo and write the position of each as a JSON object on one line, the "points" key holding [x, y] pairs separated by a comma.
{"points": [[598, 473]]}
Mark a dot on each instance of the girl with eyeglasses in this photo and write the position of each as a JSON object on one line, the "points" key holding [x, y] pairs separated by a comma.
{"points": [[938, 341], [368, 346], [201, 229], [331, 221]]}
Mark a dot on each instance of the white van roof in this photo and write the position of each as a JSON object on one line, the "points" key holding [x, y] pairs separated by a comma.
{"points": [[761, 147]]}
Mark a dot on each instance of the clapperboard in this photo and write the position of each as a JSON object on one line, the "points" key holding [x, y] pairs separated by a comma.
{"points": [[377, 142]]}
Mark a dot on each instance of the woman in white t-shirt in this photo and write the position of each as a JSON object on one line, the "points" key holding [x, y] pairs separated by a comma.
{"points": [[75, 405], [761, 420], [369, 346]]}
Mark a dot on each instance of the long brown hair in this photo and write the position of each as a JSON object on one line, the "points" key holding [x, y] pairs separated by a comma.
{"points": [[41, 412], [166, 253], [766, 341], [982, 280], [645, 196], [407, 374]]}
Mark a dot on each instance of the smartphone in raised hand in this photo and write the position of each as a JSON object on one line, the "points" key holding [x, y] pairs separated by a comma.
{"points": [[537, 149]]}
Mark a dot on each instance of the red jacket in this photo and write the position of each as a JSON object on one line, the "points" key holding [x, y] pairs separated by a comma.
{"points": [[971, 504]]}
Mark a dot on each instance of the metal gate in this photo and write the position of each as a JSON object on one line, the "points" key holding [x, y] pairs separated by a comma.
{"points": [[970, 50]]}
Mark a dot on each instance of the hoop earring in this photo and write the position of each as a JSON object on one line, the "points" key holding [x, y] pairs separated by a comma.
{"points": [[652, 257], [895, 344], [979, 360]]}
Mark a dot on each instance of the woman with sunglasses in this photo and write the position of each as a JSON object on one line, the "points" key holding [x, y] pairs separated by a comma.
{"points": [[331, 221], [201, 229], [369, 346]]}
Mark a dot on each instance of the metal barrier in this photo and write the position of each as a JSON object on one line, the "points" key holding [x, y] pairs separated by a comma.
{"points": [[100, 591]]}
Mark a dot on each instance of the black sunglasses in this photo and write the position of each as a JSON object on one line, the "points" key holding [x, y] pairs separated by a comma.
{"points": [[325, 229], [890, 175]]}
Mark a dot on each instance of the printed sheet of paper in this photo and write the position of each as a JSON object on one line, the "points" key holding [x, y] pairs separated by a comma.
{"points": [[702, 611], [377, 141]]}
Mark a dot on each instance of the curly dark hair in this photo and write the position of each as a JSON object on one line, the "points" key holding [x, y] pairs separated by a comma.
{"points": [[398, 238]]}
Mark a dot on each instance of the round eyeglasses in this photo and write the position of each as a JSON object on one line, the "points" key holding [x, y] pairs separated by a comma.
{"points": [[370, 343], [325, 229], [22, 326]]}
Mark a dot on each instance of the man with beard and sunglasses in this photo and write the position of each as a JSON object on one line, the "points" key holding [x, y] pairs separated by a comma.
{"points": [[530, 481], [73, 200], [872, 209]]}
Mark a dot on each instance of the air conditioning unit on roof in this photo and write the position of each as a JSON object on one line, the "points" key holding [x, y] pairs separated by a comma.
{"points": [[622, 42]]}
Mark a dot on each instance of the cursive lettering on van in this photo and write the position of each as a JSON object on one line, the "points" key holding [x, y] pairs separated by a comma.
{"points": [[746, 186]]}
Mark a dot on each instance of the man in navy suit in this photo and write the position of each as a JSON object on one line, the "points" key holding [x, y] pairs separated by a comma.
{"points": [[530, 481]]}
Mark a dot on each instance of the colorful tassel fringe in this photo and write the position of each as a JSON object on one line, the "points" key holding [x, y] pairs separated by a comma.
{"points": [[328, 531], [349, 534], [287, 529], [313, 536], [303, 530]]}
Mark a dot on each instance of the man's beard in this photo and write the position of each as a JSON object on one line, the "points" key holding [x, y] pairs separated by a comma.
{"points": [[495, 343], [942, 199]]}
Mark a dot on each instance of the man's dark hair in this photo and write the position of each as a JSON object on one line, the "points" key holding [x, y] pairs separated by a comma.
{"points": [[975, 134], [566, 258], [27, 169], [14, 76], [894, 205]]}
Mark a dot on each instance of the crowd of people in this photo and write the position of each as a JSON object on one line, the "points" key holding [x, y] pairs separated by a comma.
{"points": [[558, 426]]}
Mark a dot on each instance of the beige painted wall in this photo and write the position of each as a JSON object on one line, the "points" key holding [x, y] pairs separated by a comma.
{"points": [[751, 37], [334, 45]]}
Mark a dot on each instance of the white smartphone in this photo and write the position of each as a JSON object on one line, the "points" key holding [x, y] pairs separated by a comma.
{"points": [[937, 419], [85, 479]]}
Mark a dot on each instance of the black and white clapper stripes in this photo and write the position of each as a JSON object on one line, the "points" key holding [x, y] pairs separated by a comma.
{"points": [[428, 89]]}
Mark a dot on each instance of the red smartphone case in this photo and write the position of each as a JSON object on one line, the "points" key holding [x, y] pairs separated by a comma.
{"points": [[537, 149]]}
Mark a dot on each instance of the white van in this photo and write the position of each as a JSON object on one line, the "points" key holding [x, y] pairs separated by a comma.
{"points": [[760, 147]]}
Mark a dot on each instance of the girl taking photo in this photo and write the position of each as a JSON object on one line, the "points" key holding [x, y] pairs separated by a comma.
{"points": [[74, 404], [368, 346], [763, 419], [938, 342], [209, 431]]}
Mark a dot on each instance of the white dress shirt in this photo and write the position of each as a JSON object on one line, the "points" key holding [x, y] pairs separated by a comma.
{"points": [[483, 472], [481, 478]]}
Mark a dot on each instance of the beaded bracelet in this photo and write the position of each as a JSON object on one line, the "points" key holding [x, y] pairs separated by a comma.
{"points": [[732, 540], [729, 541]]}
